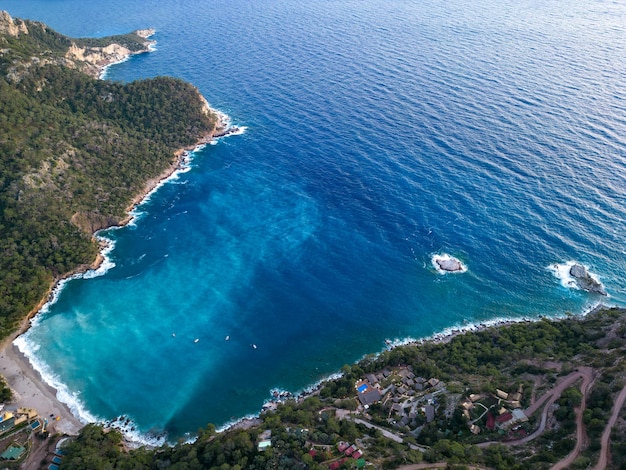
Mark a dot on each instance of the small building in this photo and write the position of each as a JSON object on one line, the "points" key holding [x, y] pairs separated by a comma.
{"points": [[367, 394], [265, 440], [371, 378], [350, 450], [342, 446], [429, 411], [397, 408], [519, 415], [20, 419], [31, 413], [503, 419], [336, 465], [433, 382], [474, 429], [474, 397], [357, 454], [7, 421], [264, 445], [13, 452], [502, 394]]}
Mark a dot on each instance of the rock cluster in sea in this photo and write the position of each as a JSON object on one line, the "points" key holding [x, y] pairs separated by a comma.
{"points": [[585, 281], [448, 264]]}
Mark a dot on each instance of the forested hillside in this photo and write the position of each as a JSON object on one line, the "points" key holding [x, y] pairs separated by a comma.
{"points": [[74, 151]]}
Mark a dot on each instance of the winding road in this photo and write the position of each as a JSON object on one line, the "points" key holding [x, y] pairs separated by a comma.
{"points": [[581, 435], [604, 441]]}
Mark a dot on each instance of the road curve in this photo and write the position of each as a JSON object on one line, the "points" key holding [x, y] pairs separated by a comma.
{"points": [[580, 427], [604, 441], [586, 373]]}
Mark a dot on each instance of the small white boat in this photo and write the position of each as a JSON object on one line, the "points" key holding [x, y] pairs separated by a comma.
{"points": [[196, 340], [227, 338], [254, 346]]}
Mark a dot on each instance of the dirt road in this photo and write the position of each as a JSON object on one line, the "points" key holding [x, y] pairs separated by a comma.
{"points": [[604, 441], [581, 435]]}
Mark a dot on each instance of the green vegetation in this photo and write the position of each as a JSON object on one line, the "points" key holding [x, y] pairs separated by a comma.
{"points": [[74, 151]]}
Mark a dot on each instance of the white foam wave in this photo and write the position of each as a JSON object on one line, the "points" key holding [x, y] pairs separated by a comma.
{"points": [[230, 424], [439, 258], [105, 265], [127, 427], [562, 272], [29, 348], [135, 438], [240, 130], [105, 70]]}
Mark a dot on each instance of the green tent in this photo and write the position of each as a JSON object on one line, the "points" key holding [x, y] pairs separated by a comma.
{"points": [[13, 452]]}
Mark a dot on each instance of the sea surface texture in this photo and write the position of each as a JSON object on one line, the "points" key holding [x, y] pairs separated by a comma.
{"points": [[378, 135]]}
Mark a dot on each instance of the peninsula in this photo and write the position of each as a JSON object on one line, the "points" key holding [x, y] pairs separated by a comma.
{"points": [[77, 152]]}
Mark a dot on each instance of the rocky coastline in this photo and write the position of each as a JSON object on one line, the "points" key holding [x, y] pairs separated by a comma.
{"points": [[27, 384]]}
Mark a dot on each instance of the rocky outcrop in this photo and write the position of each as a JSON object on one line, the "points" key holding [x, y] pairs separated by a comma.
{"points": [[585, 281], [93, 60], [11, 27], [97, 57], [448, 264]]}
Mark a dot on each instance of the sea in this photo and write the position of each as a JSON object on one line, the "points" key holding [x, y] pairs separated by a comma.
{"points": [[376, 137]]}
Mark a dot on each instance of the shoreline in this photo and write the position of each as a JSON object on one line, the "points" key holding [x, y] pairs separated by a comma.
{"points": [[29, 388], [445, 336], [31, 391]]}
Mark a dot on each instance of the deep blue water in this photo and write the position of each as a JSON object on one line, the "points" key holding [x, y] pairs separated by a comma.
{"points": [[378, 134]]}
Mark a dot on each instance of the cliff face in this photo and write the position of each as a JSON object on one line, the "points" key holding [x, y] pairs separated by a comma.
{"points": [[88, 55], [11, 27], [93, 59]]}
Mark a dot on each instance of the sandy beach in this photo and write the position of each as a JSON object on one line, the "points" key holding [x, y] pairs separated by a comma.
{"points": [[30, 391]]}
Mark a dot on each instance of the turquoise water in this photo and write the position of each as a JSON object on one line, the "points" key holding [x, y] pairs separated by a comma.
{"points": [[377, 135]]}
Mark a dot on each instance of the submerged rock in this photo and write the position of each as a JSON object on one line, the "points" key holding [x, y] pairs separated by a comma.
{"points": [[585, 281]]}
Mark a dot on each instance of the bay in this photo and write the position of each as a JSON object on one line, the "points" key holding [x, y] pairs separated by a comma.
{"points": [[377, 135]]}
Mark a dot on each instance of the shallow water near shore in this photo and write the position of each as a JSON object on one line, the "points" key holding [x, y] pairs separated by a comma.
{"points": [[378, 135]]}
